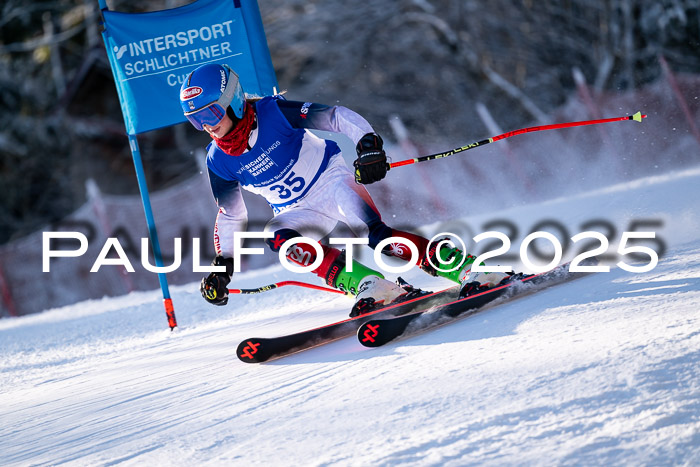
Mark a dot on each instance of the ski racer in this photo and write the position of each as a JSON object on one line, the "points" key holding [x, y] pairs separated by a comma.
{"points": [[263, 145]]}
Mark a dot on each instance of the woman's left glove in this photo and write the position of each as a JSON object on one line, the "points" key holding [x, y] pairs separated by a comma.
{"points": [[370, 165], [214, 287]]}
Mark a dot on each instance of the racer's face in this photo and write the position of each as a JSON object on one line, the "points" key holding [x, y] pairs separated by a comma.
{"points": [[220, 130]]}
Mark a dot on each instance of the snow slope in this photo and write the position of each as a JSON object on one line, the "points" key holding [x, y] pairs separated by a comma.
{"points": [[601, 371]]}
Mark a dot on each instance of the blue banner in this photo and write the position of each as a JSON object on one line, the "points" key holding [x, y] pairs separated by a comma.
{"points": [[152, 53]]}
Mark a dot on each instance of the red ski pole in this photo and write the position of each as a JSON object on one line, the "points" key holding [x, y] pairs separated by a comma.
{"points": [[265, 288], [636, 117]]}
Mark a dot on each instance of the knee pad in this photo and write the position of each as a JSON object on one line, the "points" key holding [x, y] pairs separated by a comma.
{"points": [[281, 236], [381, 231], [378, 232]]}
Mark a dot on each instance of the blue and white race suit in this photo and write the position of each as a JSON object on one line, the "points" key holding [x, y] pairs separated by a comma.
{"points": [[303, 177]]}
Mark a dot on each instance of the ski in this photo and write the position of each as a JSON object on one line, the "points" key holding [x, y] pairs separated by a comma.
{"points": [[380, 330], [262, 349]]}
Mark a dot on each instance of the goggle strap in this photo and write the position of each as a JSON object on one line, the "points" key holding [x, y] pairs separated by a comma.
{"points": [[229, 91], [226, 96]]}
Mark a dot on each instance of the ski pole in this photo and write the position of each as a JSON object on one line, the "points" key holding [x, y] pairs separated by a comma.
{"points": [[636, 117], [265, 288]]}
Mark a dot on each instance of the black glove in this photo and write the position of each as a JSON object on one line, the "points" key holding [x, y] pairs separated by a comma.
{"points": [[214, 287], [370, 165]]}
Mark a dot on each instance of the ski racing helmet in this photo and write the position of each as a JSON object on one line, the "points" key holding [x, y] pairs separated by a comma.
{"points": [[208, 91]]}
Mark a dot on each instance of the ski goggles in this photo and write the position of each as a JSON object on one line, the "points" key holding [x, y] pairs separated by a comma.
{"points": [[211, 114]]}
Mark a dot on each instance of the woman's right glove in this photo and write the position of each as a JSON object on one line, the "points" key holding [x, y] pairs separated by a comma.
{"points": [[214, 287]]}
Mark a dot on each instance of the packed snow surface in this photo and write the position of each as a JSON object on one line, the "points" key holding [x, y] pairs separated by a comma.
{"points": [[604, 370]]}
